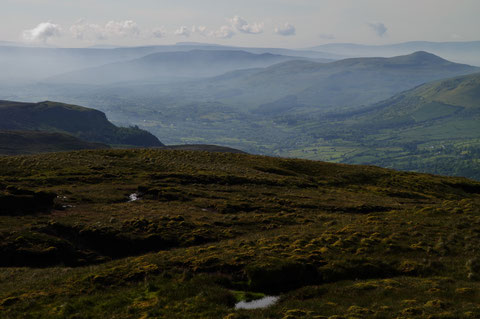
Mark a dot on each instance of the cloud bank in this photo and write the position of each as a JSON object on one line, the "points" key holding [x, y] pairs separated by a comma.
{"points": [[128, 29], [182, 31], [112, 29]]}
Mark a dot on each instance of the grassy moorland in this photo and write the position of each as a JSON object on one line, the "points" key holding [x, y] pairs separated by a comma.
{"points": [[208, 229]]}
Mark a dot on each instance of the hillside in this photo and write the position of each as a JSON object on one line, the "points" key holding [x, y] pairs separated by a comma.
{"points": [[206, 230], [33, 142], [445, 99], [170, 66], [431, 128], [84, 123]]}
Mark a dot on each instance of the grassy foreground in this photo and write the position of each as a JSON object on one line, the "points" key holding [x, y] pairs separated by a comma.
{"points": [[333, 241]]}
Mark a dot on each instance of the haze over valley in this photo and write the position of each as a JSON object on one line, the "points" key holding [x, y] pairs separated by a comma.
{"points": [[269, 101], [291, 159]]}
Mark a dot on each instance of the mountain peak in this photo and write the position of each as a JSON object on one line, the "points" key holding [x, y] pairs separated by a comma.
{"points": [[422, 57]]}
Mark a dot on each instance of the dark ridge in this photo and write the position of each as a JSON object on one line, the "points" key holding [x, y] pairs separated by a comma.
{"points": [[32, 142], [84, 123]]}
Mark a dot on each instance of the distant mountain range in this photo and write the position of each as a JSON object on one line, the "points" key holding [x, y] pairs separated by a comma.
{"points": [[20, 64], [84, 123], [323, 86], [170, 66], [463, 52]]}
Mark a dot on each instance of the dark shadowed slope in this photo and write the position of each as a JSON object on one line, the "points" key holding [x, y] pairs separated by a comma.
{"points": [[32, 142], [172, 65], [84, 123]]}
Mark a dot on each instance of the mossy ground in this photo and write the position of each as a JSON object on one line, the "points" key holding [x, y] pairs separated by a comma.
{"points": [[331, 240]]}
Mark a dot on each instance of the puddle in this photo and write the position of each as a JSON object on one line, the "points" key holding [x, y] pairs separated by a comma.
{"points": [[133, 197], [256, 304]]}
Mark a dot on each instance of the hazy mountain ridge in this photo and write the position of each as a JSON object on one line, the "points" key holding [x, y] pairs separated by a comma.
{"points": [[463, 52], [171, 66], [22, 65]]}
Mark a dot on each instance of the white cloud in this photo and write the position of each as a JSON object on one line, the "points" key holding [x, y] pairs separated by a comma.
{"points": [[286, 30], [243, 26], [159, 32], [42, 32], [201, 30], [379, 28], [225, 32], [112, 29], [182, 31]]}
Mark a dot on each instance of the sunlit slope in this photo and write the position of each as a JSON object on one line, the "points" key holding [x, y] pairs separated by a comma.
{"points": [[433, 103], [461, 91], [432, 128]]}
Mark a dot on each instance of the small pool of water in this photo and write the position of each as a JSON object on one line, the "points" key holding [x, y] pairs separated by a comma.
{"points": [[133, 197], [256, 304]]}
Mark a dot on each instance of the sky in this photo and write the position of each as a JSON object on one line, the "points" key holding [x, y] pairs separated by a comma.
{"points": [[260, 23]]}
